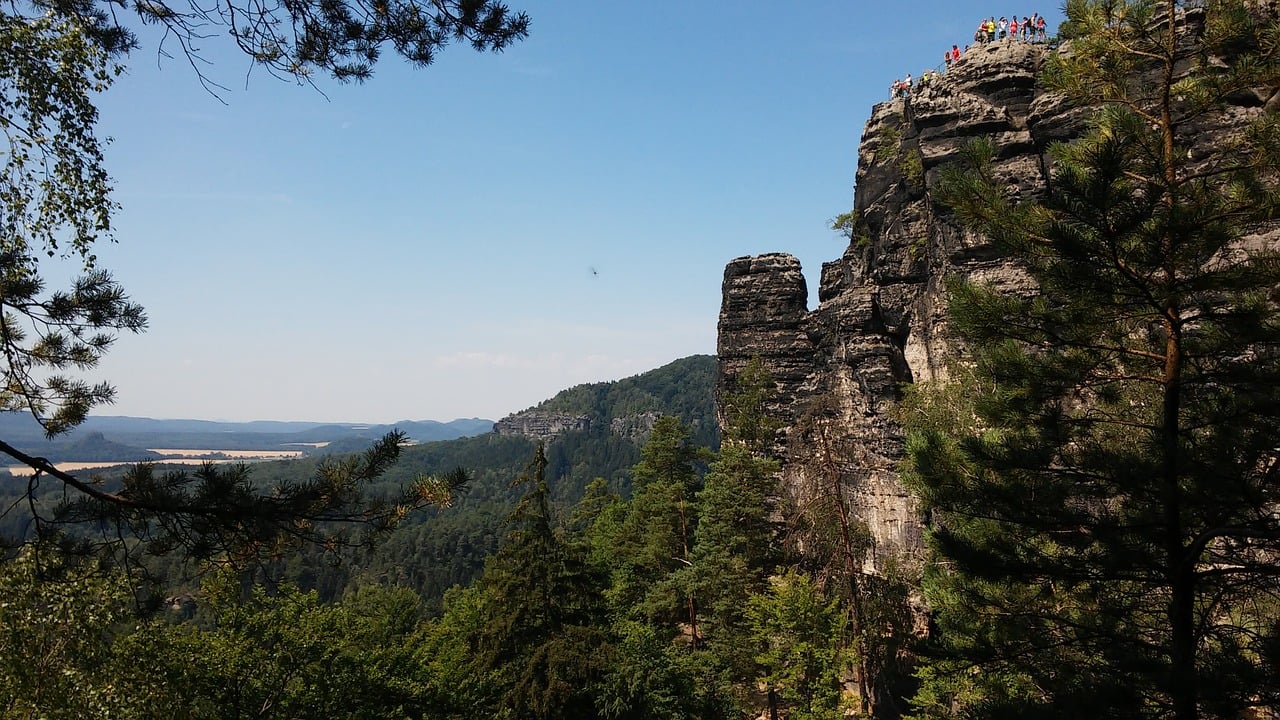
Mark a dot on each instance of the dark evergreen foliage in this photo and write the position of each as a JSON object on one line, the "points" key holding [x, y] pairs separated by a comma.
{"points": [[1101, 470], [216, 512], [433, 551], [541, 607], [343, 39]]}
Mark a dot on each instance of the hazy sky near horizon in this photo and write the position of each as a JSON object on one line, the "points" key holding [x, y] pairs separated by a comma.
{"points": [[468, 239]]}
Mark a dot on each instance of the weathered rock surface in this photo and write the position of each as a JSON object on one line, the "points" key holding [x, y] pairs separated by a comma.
{"points": [[539, 425], [635, 427], [881, 318], [547, 426]]}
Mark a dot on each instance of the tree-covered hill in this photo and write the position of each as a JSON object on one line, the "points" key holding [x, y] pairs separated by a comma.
{"points": [[433, 552], [684, 388]]}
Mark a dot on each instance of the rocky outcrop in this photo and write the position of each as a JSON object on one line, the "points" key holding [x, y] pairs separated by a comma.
{"points": [[547, 426], [881, 316], [540, 425], [635, 427], [881, 322]]}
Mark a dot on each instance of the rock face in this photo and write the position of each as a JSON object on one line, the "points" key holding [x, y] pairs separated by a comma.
{"points": [[547, 426], [881, 322], [544, 426], [635, 427]]}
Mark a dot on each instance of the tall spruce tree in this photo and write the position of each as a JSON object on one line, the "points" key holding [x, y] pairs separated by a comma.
{"points": [[656, 533], [1101, 472], [736, 548], [542, 641]]}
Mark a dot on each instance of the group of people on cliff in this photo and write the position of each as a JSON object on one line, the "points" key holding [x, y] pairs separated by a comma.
{"points": [[1029, 29]]}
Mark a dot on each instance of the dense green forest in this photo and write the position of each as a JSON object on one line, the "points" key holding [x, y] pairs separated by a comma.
{"points": [[433, 550], [673, 598], [677, 389]]}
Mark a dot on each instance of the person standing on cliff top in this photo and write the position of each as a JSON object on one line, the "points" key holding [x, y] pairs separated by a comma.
{"points": [[955, 53], [1013, 28]]}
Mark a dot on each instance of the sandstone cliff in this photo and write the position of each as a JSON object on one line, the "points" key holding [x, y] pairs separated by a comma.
{"points": [[881, 316], [544, 426]]}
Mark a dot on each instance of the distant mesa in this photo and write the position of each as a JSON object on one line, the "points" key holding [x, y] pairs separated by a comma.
{"points": [[547, 426]]}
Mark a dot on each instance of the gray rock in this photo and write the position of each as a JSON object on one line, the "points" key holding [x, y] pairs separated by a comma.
{"points": [[540, 425], [881, 318]]}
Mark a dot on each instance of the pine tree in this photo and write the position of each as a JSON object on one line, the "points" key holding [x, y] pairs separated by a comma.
{"points": [[836, 546], [800, 651], [655, 536], [543, 640], [1101, 471], [736, 548]]}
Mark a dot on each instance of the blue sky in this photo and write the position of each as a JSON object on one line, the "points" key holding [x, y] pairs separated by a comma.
{"points": [[468, 239]]}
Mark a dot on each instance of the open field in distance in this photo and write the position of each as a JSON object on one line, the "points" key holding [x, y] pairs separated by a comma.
{"points": [[233, 454], [176, 456]]}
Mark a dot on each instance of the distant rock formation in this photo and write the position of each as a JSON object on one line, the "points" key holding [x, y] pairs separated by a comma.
{"points": [[547, 426], [881, 317], [541, 425], [635, 427]]}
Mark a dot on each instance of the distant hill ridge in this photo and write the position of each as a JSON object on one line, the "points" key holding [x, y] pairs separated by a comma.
{"points": [[432, 552], [126, 439]]}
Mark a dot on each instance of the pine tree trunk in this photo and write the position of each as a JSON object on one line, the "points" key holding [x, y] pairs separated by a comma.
{"points": [[1181, 568]]}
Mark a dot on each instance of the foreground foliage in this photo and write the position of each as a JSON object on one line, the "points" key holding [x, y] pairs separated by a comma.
{"points": [[1101, 472], [55, 202], [589, 611], [525, 642]]}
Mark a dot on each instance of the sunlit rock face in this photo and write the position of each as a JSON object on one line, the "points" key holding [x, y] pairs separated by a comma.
{"points": [[544, 426], [881, 318]]}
